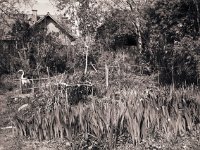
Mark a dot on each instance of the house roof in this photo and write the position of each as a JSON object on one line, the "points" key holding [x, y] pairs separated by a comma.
{"points": [[10, 21], [63, 29]]}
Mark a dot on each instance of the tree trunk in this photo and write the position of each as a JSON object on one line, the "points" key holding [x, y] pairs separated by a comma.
{"points": [[139, 35], [135, 10]]}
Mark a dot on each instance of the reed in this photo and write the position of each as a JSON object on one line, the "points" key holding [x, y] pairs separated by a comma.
{"points": [[134, 114]]}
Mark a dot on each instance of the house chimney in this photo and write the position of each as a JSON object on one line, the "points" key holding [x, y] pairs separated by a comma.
{"points": [[34, 16]]}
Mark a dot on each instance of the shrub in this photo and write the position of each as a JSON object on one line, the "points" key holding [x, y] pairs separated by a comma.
{"points": [[7, 83], [176, 63]]}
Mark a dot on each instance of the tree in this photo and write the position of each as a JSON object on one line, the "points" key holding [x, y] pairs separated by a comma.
{"points": [[9, 13], [117, 31], [175, 19], [173, 26], [92, 13], [136, 17], [86, 15], [10, 9]]}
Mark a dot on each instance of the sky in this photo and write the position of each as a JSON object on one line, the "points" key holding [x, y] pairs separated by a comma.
{"points": [[42, 7]]}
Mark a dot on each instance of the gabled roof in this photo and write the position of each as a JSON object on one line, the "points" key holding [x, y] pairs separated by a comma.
{"points": [[64, 30]]}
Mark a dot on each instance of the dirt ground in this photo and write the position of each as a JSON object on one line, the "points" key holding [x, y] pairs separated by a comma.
{"points": [[7, 139], [5, 135]]}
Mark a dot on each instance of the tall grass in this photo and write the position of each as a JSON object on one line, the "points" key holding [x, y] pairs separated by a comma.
{"points": [[133, 113]]}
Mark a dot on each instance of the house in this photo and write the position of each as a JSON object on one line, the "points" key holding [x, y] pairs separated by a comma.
{"points": [[49, 24], [17, 30], [37, 23]]}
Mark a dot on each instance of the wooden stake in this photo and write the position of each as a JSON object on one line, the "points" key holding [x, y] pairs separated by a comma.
{"points": [[48, 79], [118, 69], [123, 56], [33, 86], [86, 60], [66, 95], [20, 86], [173, 77], [39, 77], [106, 74]]}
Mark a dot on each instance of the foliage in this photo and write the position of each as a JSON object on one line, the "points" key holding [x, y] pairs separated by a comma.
{"points": [[173, 40], [10, 9], [132, 107], [21, 30], [133, 114], [175, 19], [4, 66], [177, 64], [7, 84], [183, 61], [117, 30], [86, 15]]}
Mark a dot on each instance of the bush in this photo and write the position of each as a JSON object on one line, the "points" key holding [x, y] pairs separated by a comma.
{"points": [[176, 63], [7, 83]]}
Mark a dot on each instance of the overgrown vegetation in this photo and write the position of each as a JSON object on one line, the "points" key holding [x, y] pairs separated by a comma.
{"points": [[151, 51], [132, 114]]}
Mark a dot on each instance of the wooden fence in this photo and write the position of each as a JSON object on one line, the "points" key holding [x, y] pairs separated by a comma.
{"points": [[39, 83]]}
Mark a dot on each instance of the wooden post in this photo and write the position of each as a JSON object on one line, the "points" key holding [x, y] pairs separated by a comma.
{"points": [[106, 74], [86, 60], [92, 91], [48, 79], [118, 69], [39, 78], [20, 86], [48, 72], [173, 77], [66, 96], [33, 86], [16, 45], [123, 57], [158, 77]]}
